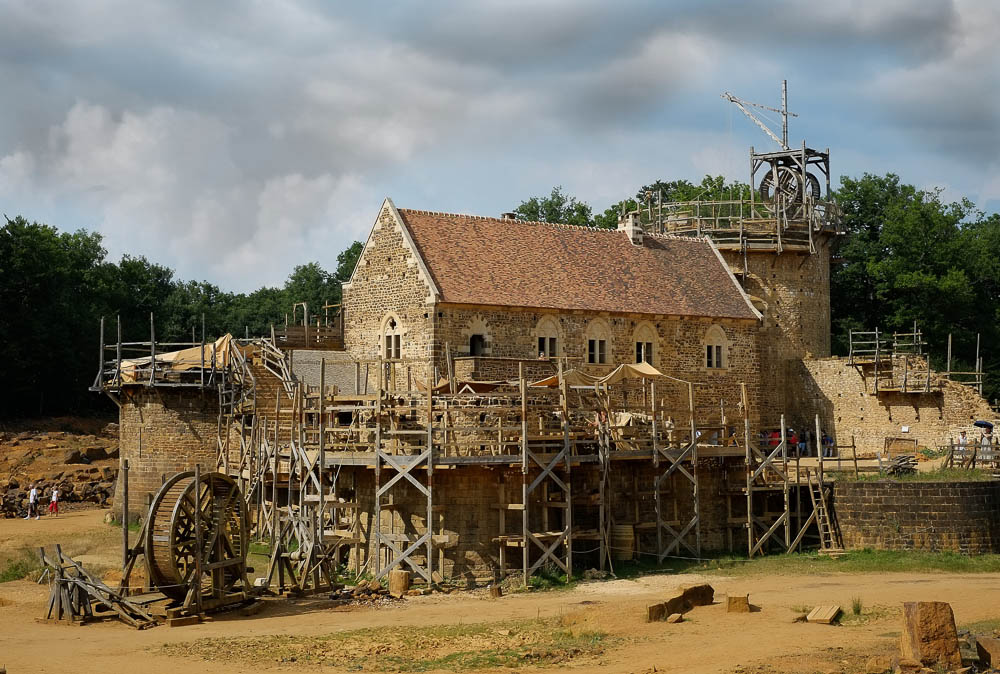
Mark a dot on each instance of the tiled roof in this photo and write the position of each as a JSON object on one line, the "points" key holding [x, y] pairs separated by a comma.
{"points": [[490, 261]]}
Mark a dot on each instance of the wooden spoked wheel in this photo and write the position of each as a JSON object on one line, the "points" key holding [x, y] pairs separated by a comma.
{"points": [[171, 536]]}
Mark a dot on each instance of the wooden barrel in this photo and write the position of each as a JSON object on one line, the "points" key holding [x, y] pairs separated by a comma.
{"points": [[622, 541]]}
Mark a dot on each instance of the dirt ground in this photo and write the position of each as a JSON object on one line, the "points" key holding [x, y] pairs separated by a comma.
{"points": [[708, 641]]}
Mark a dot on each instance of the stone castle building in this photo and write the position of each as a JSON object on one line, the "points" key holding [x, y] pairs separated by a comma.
{"points": [[728, 301], [500, 292]]}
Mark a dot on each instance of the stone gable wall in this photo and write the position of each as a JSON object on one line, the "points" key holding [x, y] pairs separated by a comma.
{"points": [[388, 280]]}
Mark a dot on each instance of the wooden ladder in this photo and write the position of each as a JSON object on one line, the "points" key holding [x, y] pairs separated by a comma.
{"points": [[829, 542]]}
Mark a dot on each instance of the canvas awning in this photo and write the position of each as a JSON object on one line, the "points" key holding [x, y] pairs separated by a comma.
{"points": [[183, 360], [624, 371], [463, 386], [572, 377], [631, 371]]}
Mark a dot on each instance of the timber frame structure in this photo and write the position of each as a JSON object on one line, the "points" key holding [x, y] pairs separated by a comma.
{"points": [[545, 444], [324, 474], [790, 218], [536, 438]]}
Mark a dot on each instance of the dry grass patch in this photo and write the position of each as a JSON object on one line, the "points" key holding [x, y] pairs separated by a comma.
{"points": [[457, 648]]}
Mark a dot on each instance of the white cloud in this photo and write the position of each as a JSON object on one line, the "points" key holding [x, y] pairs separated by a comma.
{"points": [[164, 183], [234, 141], [16, 172]]}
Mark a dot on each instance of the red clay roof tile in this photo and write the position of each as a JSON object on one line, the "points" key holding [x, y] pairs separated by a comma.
{"points": [[489, 261]]}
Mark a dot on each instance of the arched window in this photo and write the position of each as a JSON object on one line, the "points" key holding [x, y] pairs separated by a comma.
{"points": [[645, 340], [547, 337], [392, 338], [716, 348], [598, 342]]}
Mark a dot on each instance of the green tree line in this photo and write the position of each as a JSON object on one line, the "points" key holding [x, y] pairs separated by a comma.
{"points": [[55, 287], [906, 256]]}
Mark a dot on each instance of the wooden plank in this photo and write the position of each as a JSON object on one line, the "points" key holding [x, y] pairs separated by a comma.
{"points": [[252, 609], [823, 615]]}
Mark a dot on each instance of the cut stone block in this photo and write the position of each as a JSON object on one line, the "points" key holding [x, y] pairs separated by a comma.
{"points": [[738, 603], [988, 649], [929, 635]]}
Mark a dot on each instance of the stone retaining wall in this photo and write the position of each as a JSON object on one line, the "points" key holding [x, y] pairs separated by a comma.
{"points": [[935, 516]]}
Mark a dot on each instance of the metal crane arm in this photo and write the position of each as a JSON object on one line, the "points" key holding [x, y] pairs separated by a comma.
{"points": [[753, 118]]}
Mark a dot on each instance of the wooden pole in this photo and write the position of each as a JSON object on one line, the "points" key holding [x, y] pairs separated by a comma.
{"points": [[430, 478], [322, 448], [152, 350], [819, 451], [124, 479], [948, 363], [694, 470], [979, 366], [524, 470], [376, 527], [784, 467], [568, 523], [748, 463], [100, 364], [203, 350], [118, 369], [199, 543], [274, 476]]}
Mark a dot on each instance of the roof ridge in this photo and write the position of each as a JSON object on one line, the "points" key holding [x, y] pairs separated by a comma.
{"points": [[675, 237], [525, 222]]}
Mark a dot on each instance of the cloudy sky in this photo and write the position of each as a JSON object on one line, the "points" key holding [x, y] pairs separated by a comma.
{"points": [[234, 140]]}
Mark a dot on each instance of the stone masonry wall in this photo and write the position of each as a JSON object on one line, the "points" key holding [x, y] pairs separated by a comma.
{"points": [[388, 281], [679, 350], [837, 392], [795, 291], [178, 429], [480, 368], [936, 516]]}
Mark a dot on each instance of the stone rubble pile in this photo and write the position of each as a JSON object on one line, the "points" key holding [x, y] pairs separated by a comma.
{"points": [[83, 467]]}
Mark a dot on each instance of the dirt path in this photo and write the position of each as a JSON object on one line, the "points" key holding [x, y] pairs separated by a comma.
{"points": [[709, 641]]}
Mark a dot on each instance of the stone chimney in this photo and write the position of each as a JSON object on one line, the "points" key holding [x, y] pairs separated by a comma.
{"points": [[630, 224], [508, 216]]}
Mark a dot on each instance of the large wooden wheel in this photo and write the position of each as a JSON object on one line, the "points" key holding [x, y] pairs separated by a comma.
{"points": [[171, 537]]}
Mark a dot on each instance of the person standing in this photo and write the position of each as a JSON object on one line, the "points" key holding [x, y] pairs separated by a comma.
{"points": [[32, 502], [54, 501]]}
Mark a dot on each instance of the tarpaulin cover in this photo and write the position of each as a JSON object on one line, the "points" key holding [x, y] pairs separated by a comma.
{"points": [[180, 361]]}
